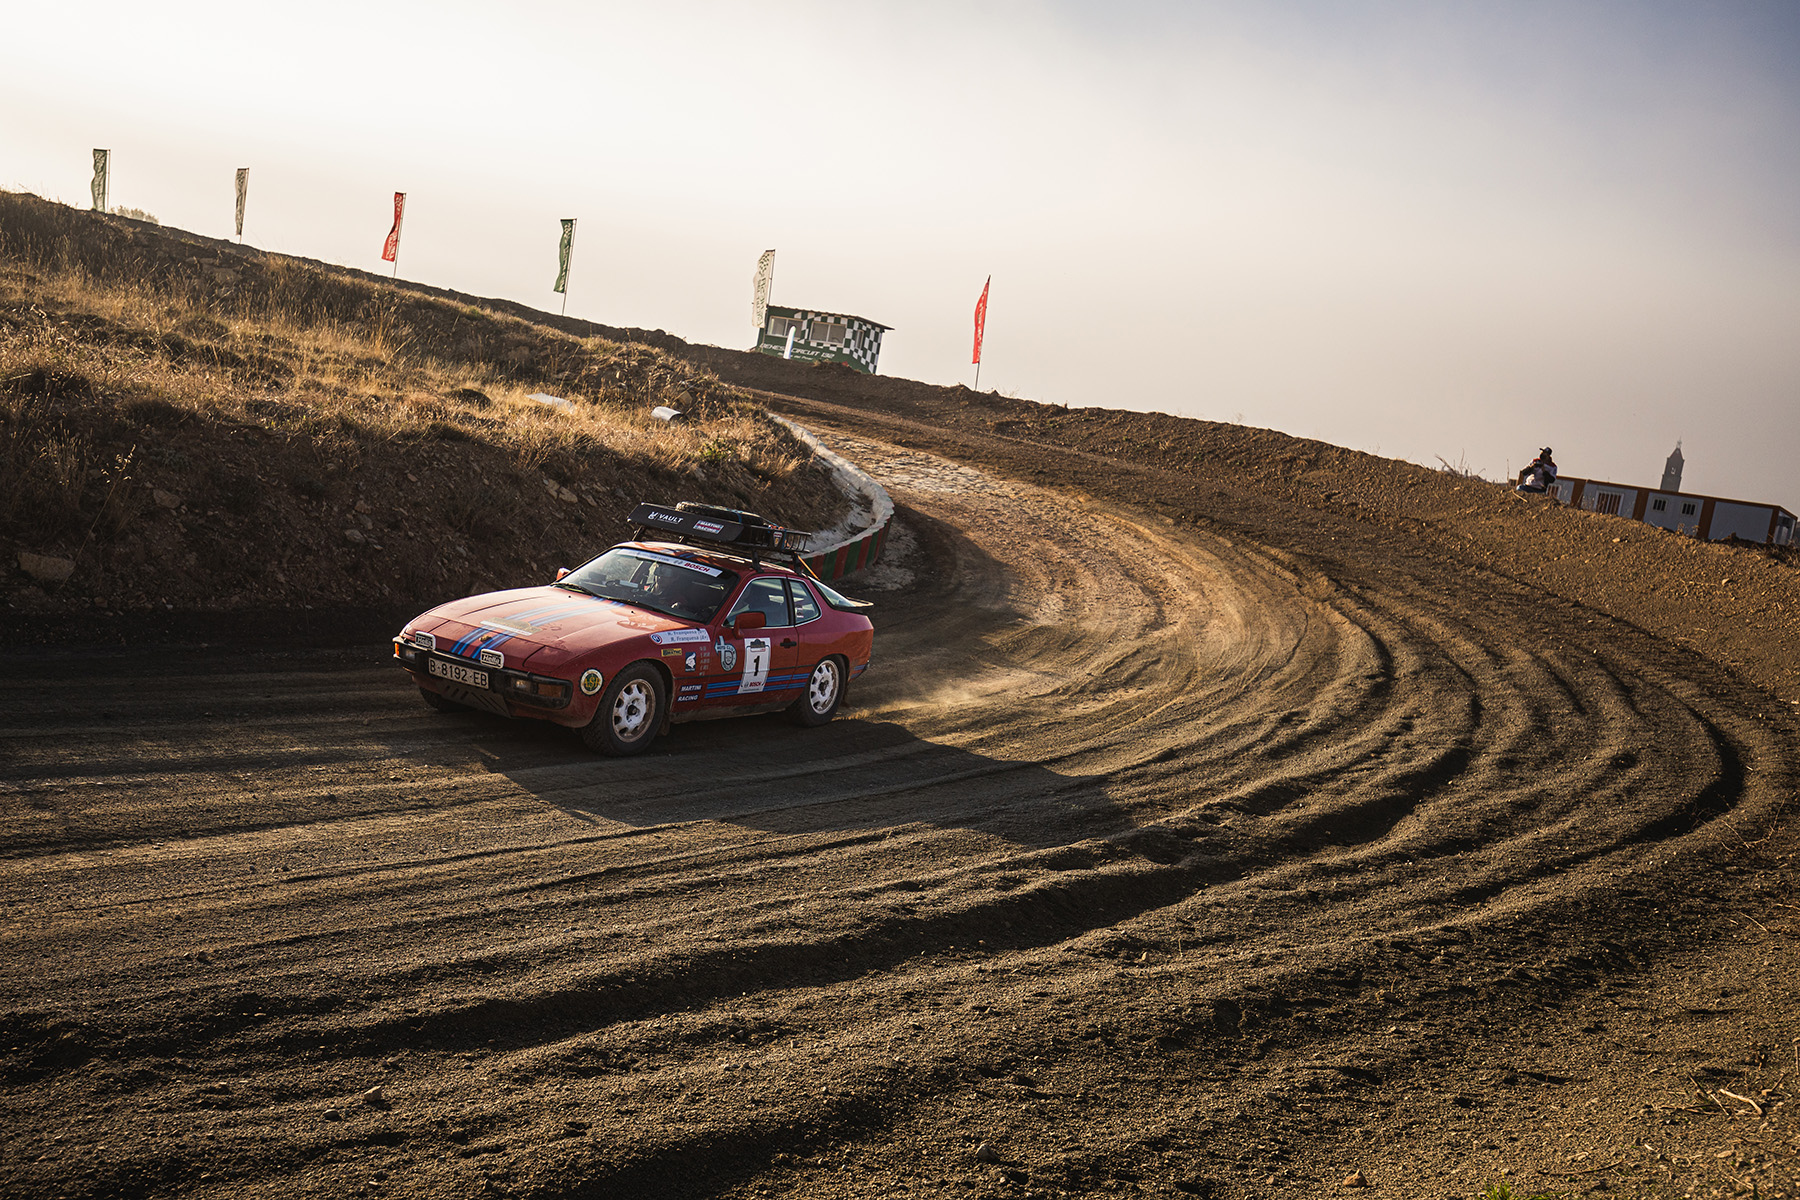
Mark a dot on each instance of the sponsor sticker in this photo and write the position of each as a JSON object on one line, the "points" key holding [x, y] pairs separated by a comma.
{"points": [[708, 526], [676, 637], [591, 681], [693, 656], [672, 652], [671, 560], [665, 518], [727, 657]]}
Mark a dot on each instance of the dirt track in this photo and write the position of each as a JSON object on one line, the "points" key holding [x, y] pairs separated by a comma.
{"points": [[1162, 861]]}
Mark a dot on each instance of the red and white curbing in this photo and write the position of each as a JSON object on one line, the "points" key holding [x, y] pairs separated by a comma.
{"points": [[856, 541]]}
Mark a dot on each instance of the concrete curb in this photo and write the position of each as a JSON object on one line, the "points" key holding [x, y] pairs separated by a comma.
{"points": [[857, 541]]}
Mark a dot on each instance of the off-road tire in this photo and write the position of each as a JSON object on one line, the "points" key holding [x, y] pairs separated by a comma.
{"points": [[823, 692], [631, 712]]}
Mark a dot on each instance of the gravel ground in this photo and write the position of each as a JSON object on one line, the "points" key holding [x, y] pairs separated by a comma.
{"points": [[1197, 833]]}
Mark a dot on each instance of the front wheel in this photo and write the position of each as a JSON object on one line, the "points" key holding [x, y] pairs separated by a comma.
{"points": [[630, 712], [824, 689]]}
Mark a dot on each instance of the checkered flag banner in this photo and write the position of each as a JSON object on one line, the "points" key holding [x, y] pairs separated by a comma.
{"points": [[243, 193], [563, 254], [765, 280], [102, 177]]}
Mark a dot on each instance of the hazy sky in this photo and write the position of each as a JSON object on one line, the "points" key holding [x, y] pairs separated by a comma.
{"points": [[1418, 228]]}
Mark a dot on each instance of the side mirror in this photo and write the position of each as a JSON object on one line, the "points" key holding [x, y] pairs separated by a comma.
{"points": [[749, 620], [562, 573]]}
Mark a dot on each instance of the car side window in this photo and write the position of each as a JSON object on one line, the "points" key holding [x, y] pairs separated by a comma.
{"points": [[766, 596], [805, 607]]}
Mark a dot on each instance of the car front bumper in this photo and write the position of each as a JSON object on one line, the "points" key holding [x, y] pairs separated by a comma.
{"points": [[544, 692]]}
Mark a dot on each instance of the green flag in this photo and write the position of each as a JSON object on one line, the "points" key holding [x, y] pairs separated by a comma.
{"points": [[563, 255]]}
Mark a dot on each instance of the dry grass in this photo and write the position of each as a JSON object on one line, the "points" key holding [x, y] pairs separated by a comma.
{"points": [[129, 371]]}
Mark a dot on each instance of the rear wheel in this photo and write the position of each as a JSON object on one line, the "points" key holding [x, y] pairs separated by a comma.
{"points": [[824, 690], [441, 703], [630, 712]]}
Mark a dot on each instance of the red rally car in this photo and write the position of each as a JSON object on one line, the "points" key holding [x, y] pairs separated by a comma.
{"points": [[718, 617]]}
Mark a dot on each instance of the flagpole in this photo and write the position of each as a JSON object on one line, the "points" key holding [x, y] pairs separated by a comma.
{"points": [[981, 328], [569, 272]]}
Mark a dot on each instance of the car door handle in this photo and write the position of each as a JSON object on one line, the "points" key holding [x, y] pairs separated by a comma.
{"points": [[788, 643]]}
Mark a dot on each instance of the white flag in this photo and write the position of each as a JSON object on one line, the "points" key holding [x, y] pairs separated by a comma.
{"points": [[765, 280], [102, 173], [243, 193]]}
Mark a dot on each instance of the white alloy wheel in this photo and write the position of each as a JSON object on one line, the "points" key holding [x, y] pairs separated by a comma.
{"points": [[630, 713], [632, 710], [824, 692], [822, 688]]}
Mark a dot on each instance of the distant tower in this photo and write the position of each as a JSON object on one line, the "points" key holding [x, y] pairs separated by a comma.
{"points": [[1672, 471]]}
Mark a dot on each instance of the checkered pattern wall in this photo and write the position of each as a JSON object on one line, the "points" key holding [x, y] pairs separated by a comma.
{"points": [[862, 338]]}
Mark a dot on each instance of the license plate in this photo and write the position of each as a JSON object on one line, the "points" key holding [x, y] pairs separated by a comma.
{"points": [[456, 674]]}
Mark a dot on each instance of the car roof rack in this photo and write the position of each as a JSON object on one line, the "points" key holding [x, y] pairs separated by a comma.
{"points": [[736, 530], [729, 528]]}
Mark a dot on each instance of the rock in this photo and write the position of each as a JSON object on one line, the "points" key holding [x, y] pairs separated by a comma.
{"points": [[1355, 1179], [374, 1096], [332, 1114], [165, 499], [985, 1153], [362, 506], [354, 536], [46, 568]]}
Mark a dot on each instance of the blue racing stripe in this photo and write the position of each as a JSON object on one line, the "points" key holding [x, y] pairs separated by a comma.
{"points": [[532, 617]]}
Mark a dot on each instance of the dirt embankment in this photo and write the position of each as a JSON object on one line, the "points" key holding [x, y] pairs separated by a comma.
{"points": [[179, 438]]}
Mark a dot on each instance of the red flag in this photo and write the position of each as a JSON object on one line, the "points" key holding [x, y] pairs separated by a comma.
{"points": [[390, 252], [981, 318]]}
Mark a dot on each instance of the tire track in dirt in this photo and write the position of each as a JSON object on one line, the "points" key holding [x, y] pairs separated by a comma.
{"points": [[1109, 773]]}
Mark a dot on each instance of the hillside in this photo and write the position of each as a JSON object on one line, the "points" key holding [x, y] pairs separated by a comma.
{"points": [[189, 427]]}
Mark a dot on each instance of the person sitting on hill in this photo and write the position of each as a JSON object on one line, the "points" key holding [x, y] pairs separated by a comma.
{"points": [[1539, 476]]}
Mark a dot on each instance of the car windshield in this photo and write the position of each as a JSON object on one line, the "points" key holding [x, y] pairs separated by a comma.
{"points": [[663, 583]]}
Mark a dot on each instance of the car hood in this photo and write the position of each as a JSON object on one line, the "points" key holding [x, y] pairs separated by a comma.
{"points": [[546, 625]]}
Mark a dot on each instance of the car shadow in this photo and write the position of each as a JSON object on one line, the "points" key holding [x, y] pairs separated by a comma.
{"points": [[765, 774]]}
